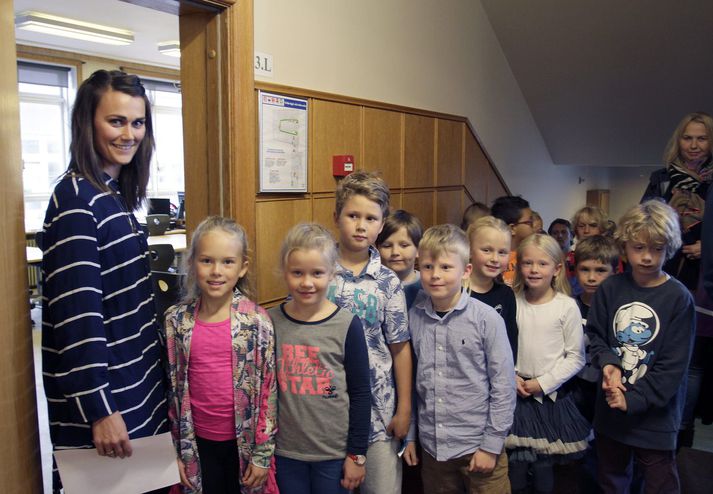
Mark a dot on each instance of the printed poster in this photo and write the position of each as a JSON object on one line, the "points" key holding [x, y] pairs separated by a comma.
{"points": [[283, 143]]}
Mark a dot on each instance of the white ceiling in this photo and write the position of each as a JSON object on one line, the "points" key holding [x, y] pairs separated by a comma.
{"points": [[608, 80], [149, 26]]}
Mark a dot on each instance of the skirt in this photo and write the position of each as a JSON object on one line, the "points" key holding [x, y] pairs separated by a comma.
{"points": [[552, 431]]}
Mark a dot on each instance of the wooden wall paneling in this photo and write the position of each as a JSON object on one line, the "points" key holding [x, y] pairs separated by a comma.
{"points": [[495, 187], [466, 200], [420, 204], [419, 145], [197, 175], [273, 220], [433, 163], [449, 208], [599, 198], [20, 464], [449, 156], [216, 100], [336, 129], [382, 144], [476, 169], [240, 110], [323, 213], [397, 200]]}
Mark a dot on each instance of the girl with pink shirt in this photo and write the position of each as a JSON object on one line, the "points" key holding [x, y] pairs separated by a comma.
{"points": [[221, 369]]}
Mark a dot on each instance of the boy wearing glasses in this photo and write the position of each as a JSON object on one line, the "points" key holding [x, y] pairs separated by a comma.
{"points": [[516, 213]]}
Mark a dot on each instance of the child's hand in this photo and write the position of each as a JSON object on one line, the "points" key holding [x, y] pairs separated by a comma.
{"points": [[616, 399], [254, 476], [482, 461], [532, 386], [410, 456], [182, 473], [353, 474], [521, 391], [399, 425], [611, 378]]}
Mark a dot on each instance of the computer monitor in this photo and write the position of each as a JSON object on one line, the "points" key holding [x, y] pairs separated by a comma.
{"points": [[159, 205], [181, 214]]}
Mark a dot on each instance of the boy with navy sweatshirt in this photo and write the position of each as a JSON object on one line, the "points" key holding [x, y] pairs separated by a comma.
{"points": [[641, 326]]}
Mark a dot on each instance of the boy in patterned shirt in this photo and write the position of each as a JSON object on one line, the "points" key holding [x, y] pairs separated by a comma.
{"points": [[374, 293]]}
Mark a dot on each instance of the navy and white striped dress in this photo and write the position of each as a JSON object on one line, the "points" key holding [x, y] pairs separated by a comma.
{"points": [[100, 347]]}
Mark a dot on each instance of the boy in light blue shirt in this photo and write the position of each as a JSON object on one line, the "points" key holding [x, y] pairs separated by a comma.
{"points": [[465, 379]]}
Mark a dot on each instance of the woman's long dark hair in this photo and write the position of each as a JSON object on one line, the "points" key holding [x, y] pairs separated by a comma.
{"points": [[84, 158]]}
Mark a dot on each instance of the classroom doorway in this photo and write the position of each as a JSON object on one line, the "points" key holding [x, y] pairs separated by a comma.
{"points": [[202, 33]]}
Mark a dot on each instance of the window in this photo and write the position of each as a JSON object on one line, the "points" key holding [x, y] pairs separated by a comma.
{"points": [[45, 93], [46, 97], [167, 164]]}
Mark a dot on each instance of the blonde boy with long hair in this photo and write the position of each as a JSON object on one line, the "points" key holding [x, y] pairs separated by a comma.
{"points": [[641, 326]]}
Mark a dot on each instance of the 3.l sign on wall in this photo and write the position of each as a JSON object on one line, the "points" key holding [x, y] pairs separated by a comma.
{"points": [[263, 64]]}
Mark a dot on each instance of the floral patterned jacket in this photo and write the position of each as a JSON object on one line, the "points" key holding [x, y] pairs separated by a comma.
{"points": [[254, 387]]}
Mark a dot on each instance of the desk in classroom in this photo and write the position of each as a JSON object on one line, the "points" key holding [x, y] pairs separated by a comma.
{"points": [[33, 254], [177, 239]]}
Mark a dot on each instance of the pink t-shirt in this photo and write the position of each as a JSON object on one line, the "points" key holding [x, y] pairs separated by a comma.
{"points": [[210, 374]]}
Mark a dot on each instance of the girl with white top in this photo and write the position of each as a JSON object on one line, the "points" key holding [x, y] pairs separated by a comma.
{"points": [[547, 427]]}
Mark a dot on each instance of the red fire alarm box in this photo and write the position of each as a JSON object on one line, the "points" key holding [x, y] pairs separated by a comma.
{"points": [[342, 165]]}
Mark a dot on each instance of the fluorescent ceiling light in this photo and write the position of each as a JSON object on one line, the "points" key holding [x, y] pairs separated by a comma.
{"points": [[170, 48], [72, 28]]}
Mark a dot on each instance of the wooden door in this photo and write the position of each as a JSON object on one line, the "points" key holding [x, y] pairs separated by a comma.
{"points": [[20, 470]]}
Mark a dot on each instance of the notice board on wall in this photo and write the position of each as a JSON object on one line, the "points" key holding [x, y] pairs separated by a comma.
{"points": [[283, 143]]}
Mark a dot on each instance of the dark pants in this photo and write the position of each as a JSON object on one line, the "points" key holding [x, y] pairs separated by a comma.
{"points": [[657, 467], [220, 466], [411, 482], [309, 477], [543, 477]]}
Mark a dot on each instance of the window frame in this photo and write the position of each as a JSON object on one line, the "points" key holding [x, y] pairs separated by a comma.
{"points": [[65, 103]]}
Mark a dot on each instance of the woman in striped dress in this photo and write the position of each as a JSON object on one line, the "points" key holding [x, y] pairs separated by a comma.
{"points": [[100, 350]]}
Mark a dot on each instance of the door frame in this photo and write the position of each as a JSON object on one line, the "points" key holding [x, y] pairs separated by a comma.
{"points": [[219, 110], [220, 153]]}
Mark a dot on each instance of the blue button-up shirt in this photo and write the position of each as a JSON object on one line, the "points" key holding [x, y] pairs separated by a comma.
{"points": [[465, 378]]}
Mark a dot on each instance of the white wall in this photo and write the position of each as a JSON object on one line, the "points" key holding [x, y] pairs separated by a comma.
{"points": [[440, 56], [627, 185]]}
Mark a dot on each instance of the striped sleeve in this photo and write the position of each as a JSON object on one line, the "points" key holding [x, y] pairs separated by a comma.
{"points": [[74, 338]]}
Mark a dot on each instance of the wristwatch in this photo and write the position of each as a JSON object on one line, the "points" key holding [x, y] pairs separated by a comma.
{"points": [[360, 460]]}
